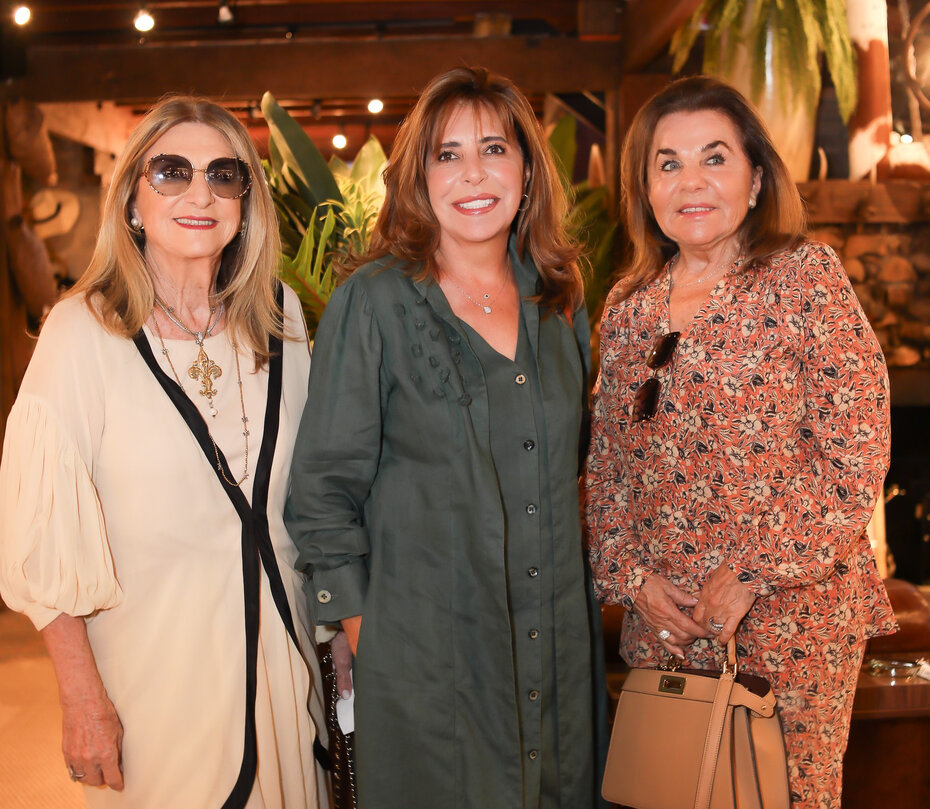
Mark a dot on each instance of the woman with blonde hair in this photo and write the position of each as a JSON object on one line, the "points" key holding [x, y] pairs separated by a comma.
{"points": [[434, 496], [143, 481]]}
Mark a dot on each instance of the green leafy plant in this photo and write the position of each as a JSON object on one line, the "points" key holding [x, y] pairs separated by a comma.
{"points": [[590, 219], [326, 211], [786, 38]]}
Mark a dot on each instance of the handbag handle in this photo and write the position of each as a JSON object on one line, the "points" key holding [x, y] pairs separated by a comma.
{"points": [[718, 715]]}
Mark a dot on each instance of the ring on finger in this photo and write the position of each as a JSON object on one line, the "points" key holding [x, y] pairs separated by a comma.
{"points": [[715, 627], [664, 634], [74, 775]]}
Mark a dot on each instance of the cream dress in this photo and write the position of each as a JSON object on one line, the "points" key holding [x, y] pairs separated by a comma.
{"points": [[111, 510]]}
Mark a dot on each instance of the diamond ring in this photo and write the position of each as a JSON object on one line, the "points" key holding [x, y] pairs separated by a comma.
{"points": [[74, 775], [664, 634], [715, 627]]}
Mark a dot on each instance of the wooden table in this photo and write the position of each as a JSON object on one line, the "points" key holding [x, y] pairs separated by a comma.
{"points": [[887, 763]]}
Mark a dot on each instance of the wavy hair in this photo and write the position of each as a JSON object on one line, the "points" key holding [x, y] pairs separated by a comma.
{"points": [[117, 285], [778, 221], [408, 228]]}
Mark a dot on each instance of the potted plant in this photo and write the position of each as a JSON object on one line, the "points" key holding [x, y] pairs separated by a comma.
{"points": [[326, 211], [771, 51]]}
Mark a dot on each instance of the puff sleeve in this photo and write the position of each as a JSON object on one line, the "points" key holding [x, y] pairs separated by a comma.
{"points": [[54, 554]]}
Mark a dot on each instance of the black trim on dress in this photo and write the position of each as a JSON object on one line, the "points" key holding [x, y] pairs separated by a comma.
{"points": [[256, 537]]}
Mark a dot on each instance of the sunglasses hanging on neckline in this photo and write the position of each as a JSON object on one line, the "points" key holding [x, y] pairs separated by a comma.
{"points": [[170, 175], [646, 399]]}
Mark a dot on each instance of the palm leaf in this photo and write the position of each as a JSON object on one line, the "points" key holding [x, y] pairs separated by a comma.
{"points": [[298, 153]]}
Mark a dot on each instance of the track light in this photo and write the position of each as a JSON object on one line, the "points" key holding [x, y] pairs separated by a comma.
{"points": [[144, 21], [375, 106], [22, 15], [340, 141], [224, 16]]}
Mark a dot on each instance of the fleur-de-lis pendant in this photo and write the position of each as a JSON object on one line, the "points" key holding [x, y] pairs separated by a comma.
{"points": [[204, 370]]}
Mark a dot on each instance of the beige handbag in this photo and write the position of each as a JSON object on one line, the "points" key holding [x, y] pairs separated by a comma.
{"points": [[702, 739]]}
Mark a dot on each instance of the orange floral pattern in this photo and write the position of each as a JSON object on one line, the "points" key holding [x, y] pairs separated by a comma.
{"points": [[767, 452]]}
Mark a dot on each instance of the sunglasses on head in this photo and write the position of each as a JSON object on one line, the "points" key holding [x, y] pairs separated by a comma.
{"points": [[171, 175], [647, 395]]}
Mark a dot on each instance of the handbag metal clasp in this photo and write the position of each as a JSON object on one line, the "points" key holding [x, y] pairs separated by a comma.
{"points": [[669, 684]]}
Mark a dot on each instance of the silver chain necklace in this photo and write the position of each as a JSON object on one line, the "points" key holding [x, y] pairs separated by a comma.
{"points": [[488, 301], [197, 335]]}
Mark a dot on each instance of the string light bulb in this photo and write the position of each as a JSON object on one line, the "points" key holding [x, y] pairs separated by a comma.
{"points": [[375, 106], [22, 15], [224, 15], [144, 21], [340, 141]]}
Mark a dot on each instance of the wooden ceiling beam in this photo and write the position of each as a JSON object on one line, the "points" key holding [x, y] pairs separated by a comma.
{"points": [[309, 68]]}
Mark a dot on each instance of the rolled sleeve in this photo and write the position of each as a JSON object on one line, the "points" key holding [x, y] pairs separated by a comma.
{"points": [[336, 457]]}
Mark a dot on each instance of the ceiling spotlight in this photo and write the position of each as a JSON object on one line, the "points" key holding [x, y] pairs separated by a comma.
{"points": [[22, 15], [375, 106], [224, 15], [144, 21], [340, 141]]}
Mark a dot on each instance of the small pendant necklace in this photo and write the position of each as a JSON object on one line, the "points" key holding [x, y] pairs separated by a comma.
{"points": [[673, 282], [245, 418], [202, 369], [486, 301]]}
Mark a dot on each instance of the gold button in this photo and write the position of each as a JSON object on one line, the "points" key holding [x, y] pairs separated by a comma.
{"points": [[533, 695], [533, 633], [534, 754], [520, 379]]}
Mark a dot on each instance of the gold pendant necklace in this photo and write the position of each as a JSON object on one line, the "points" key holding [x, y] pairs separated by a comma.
{"points": [[245, 418], [202, 369]]}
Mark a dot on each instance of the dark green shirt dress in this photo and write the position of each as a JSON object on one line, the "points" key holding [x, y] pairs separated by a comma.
{"points": [[435, 493]]}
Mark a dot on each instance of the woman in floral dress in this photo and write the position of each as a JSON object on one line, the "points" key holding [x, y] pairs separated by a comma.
{"points": [[740, 428]]}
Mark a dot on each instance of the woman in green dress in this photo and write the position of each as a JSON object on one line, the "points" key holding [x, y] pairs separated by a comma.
{"points": [[434, 499]]}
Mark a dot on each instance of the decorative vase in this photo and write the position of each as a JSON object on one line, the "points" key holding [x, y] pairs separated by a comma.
{"points": [[790, 118]]}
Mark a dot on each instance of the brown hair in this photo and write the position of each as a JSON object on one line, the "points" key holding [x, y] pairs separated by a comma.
{"points": [[117, 283], [776, 223], [408, 228]]}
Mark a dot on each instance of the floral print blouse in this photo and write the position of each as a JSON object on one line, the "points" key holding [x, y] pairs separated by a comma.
{"points": [[767, 452]]}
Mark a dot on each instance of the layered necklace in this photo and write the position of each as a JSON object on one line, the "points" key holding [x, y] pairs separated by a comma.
{"points": [[204, 370], [487, 301]]}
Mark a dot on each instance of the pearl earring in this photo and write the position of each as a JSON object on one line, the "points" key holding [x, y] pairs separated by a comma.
{"points": [[752, 203], [136, 224]]}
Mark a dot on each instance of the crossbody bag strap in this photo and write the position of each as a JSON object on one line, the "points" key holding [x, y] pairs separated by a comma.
{"points": [[718, 716]]}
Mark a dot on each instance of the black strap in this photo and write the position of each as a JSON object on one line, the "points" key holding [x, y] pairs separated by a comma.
{"points": [[256, 538]]}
